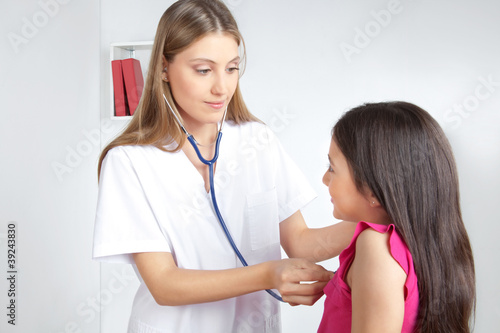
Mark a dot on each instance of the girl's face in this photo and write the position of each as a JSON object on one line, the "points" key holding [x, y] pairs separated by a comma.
{"points": [[203, 78], [348, 203]]}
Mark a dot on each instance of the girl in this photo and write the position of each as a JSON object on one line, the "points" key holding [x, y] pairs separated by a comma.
{"points": [[392, 167], [154, 209]]}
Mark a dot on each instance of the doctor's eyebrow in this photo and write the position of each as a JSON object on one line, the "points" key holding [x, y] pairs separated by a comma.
{"points": [[235, 59]]}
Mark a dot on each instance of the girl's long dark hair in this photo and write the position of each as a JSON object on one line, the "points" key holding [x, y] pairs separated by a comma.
{"points": [[401, 154]]}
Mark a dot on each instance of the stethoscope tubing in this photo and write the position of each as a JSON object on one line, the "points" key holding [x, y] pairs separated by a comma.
{"points": [[211, 164]]}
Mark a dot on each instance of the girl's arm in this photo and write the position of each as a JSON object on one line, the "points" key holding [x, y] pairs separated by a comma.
{"points": [[171, 285], [316, 245], [377, 286]]}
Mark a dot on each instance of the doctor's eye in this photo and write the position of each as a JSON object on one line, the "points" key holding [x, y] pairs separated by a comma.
{"points": [[233, 69]]}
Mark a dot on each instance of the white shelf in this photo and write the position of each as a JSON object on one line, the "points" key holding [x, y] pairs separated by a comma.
{"points": [[137, 50]]}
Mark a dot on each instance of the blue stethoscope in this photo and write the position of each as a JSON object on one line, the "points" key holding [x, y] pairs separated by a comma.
{"points": [[211, 164]]}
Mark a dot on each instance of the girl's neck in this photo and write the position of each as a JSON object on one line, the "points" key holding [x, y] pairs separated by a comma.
{"points": [[376, 215], [380, 217]]}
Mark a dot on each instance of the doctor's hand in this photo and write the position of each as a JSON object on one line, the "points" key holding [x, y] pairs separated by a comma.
{"points": [[299, 281]]}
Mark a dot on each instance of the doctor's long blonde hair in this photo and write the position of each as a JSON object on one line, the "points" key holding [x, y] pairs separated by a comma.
{"points": [[183, 23]]}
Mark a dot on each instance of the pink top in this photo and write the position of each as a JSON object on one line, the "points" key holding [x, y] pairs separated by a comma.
{"points": [[337, 314]]}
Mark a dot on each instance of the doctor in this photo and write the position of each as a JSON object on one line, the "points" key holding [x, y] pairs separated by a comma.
{"points": [[154, 209]]}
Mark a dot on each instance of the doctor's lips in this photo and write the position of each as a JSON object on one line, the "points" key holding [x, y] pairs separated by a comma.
{"points": [[216, 105]]}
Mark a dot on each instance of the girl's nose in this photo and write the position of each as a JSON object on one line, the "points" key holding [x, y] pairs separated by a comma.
{"points": [[326, 178]]}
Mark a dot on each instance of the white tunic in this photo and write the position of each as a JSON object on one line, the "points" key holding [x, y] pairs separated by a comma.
{"points": [[154, 201]]}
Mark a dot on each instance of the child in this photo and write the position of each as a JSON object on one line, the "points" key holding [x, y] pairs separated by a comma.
{"points": [[409, 267]]}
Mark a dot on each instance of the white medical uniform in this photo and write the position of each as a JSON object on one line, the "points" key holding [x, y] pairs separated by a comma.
{"points": [[155, 201]]}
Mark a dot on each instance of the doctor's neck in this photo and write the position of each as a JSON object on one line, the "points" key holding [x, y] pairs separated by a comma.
{"points": [[205, 134]]}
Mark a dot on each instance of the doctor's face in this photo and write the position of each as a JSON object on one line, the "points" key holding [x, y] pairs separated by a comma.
{"points": [[203, 78]]}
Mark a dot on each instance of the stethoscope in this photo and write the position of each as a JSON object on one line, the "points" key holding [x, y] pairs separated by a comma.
{"points": [[211, 164]]}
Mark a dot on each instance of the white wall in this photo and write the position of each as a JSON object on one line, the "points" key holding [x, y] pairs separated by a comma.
{"points": [[437, 54], [49, 143]]}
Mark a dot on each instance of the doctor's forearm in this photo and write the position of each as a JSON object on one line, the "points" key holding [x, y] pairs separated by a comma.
{"points": [[200, 286], [328, 242], [171, 285], [321, 243]]}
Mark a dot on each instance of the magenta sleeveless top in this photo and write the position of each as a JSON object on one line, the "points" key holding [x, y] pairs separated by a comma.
{"points": [[337, 313]]}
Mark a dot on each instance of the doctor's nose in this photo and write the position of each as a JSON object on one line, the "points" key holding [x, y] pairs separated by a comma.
{"points": [[219, 85]]}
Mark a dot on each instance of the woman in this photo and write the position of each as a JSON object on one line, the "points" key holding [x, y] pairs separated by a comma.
{"points": [[154, 208]]}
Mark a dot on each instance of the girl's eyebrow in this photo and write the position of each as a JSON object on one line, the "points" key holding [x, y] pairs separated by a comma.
{"points": [[329, 159]]}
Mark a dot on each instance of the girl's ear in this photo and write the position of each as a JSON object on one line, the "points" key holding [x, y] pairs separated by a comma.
{"points": [[372, 199]]}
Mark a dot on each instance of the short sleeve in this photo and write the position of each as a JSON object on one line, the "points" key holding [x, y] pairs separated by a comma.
{"points": [[292, 187], [125, 222]]}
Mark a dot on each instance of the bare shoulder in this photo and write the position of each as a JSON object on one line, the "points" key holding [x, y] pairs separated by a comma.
{"points": [[377, 285], [370, 240], [373, 259]]}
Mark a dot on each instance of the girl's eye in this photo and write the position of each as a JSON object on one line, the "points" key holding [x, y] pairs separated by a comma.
{"points": [[329, 168], [203, 71]]}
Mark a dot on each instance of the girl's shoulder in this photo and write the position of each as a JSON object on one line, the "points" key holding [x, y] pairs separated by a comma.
{"points": [[374, 245], [382, 279], [381, 234], [372, 237], [378, 250]]}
